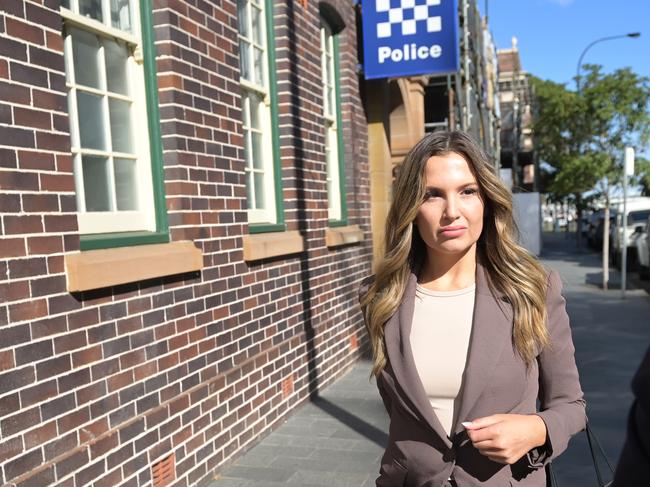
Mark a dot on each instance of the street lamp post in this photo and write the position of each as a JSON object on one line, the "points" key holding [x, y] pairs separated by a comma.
{"points": [[606, 215], [602, 39]]}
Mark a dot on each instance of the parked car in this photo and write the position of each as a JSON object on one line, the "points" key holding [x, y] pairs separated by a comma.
{"points": [[596, 228], [642, 242], [584, 226], [638, 212]]}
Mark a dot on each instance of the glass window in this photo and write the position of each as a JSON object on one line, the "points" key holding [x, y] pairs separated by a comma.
{"points": [[108, 117], [256, 111], [636, 217], [333, 156]]}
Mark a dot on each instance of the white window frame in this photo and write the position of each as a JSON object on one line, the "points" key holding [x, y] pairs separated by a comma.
{"points": [[330, 107], [265, 213], [112, 221]]}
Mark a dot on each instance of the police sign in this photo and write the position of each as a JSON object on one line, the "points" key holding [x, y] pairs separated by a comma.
{"points": [[409, 37]]}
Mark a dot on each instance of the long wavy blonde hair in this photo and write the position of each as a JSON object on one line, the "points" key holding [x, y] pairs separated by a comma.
{"points": [[511, 270]]}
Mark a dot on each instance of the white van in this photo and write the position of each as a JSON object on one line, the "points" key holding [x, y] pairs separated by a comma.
{"points": [[638, 212]]}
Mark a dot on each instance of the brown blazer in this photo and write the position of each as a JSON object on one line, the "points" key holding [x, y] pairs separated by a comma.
{"points": [[495, 381]]}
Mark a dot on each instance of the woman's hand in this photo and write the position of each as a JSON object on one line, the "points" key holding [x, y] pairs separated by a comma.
{"points": [[505, 438]]}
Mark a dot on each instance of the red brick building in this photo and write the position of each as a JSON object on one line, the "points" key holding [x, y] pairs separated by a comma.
{"points": [[184, 220]]}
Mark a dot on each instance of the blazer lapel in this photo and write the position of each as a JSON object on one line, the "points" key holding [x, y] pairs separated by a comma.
{"points": [[397, 333], [491, 331]]}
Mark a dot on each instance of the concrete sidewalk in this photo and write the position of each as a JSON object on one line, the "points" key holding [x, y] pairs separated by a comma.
{"points": [[335, 440], [611, 335], [338, 439]]}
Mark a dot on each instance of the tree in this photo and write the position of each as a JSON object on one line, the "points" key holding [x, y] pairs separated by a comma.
{"points": [[582, 135], [642, 175]]}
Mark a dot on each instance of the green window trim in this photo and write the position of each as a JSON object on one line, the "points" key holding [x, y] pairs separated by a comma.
{"points": [[339, 133], [161, 235], [279, 225]]}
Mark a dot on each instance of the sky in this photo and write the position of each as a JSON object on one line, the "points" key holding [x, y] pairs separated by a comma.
{"points": [[552, 33]]}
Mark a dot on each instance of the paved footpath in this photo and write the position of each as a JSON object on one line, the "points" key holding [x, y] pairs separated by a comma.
{"points": [[338, 439]]}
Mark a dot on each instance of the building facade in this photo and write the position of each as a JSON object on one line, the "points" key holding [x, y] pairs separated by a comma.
{"points": [[516, 100], [185, 217]]}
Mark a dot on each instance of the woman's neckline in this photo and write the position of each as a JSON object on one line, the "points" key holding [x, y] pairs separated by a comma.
{"points": [[454, 292]]}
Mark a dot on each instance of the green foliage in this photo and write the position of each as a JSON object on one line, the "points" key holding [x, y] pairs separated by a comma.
{"points": [[582, 135], [642, 174]]}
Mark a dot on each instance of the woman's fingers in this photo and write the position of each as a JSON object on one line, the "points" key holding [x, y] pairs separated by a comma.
{"points": [[483, 434], [483, 422]]}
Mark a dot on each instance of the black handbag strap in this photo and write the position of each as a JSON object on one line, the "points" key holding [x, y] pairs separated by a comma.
{"points": [[593, 440], [594, 444]]}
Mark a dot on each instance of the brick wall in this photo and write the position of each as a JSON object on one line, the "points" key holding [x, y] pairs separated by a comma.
{"points": [[96, 387]]}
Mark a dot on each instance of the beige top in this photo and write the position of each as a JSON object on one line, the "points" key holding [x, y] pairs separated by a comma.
{"points": [[442, 324]]}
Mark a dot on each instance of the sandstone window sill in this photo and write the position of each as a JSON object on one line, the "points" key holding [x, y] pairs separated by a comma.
{"points": [[267, 245], [337, 236], [94, 269]]}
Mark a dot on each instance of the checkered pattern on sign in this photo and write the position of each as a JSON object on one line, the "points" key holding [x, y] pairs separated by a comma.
{"points": [[407, 15]]}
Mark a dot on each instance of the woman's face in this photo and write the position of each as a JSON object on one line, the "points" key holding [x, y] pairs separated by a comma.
{"points": [[450, 218]]}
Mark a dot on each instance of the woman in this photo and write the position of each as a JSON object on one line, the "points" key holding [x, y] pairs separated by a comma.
{"points": [[468, 330]]}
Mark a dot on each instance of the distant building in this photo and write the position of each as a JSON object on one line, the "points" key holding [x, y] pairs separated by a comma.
{"points": [[516, 102], [466, 100]]}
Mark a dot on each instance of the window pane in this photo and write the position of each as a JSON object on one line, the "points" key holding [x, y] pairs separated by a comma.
{"points": [[259, 66], [255, 101], [120, 114], [258, 156], [326, 67], [260, 202], [247, 148], [92, 9], [330, 194], [121, 15], [245, 109], [328, 157], [257, 26], [68, 63], [65, 3], [330, 101], [91, 121], [126, 187], [249, 191], [244, 60], [95, 171], [242, 18], [116, 56], [85, 51]]}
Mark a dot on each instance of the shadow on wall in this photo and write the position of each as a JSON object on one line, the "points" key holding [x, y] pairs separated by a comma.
{"points": [[301, 210]]}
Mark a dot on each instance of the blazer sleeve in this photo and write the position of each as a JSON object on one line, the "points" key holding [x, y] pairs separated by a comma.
{"points": [[562, 404], [385, 397]]}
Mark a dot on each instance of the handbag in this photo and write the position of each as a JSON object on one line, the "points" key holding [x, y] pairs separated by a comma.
{"points": [[594, 447]]}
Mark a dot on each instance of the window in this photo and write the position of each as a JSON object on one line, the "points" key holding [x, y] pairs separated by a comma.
{"points": [[333, 136], [258, 107], [117, 174]]}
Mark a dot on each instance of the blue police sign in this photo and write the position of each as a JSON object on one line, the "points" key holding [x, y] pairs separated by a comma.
{"points": [[409, 37]]}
